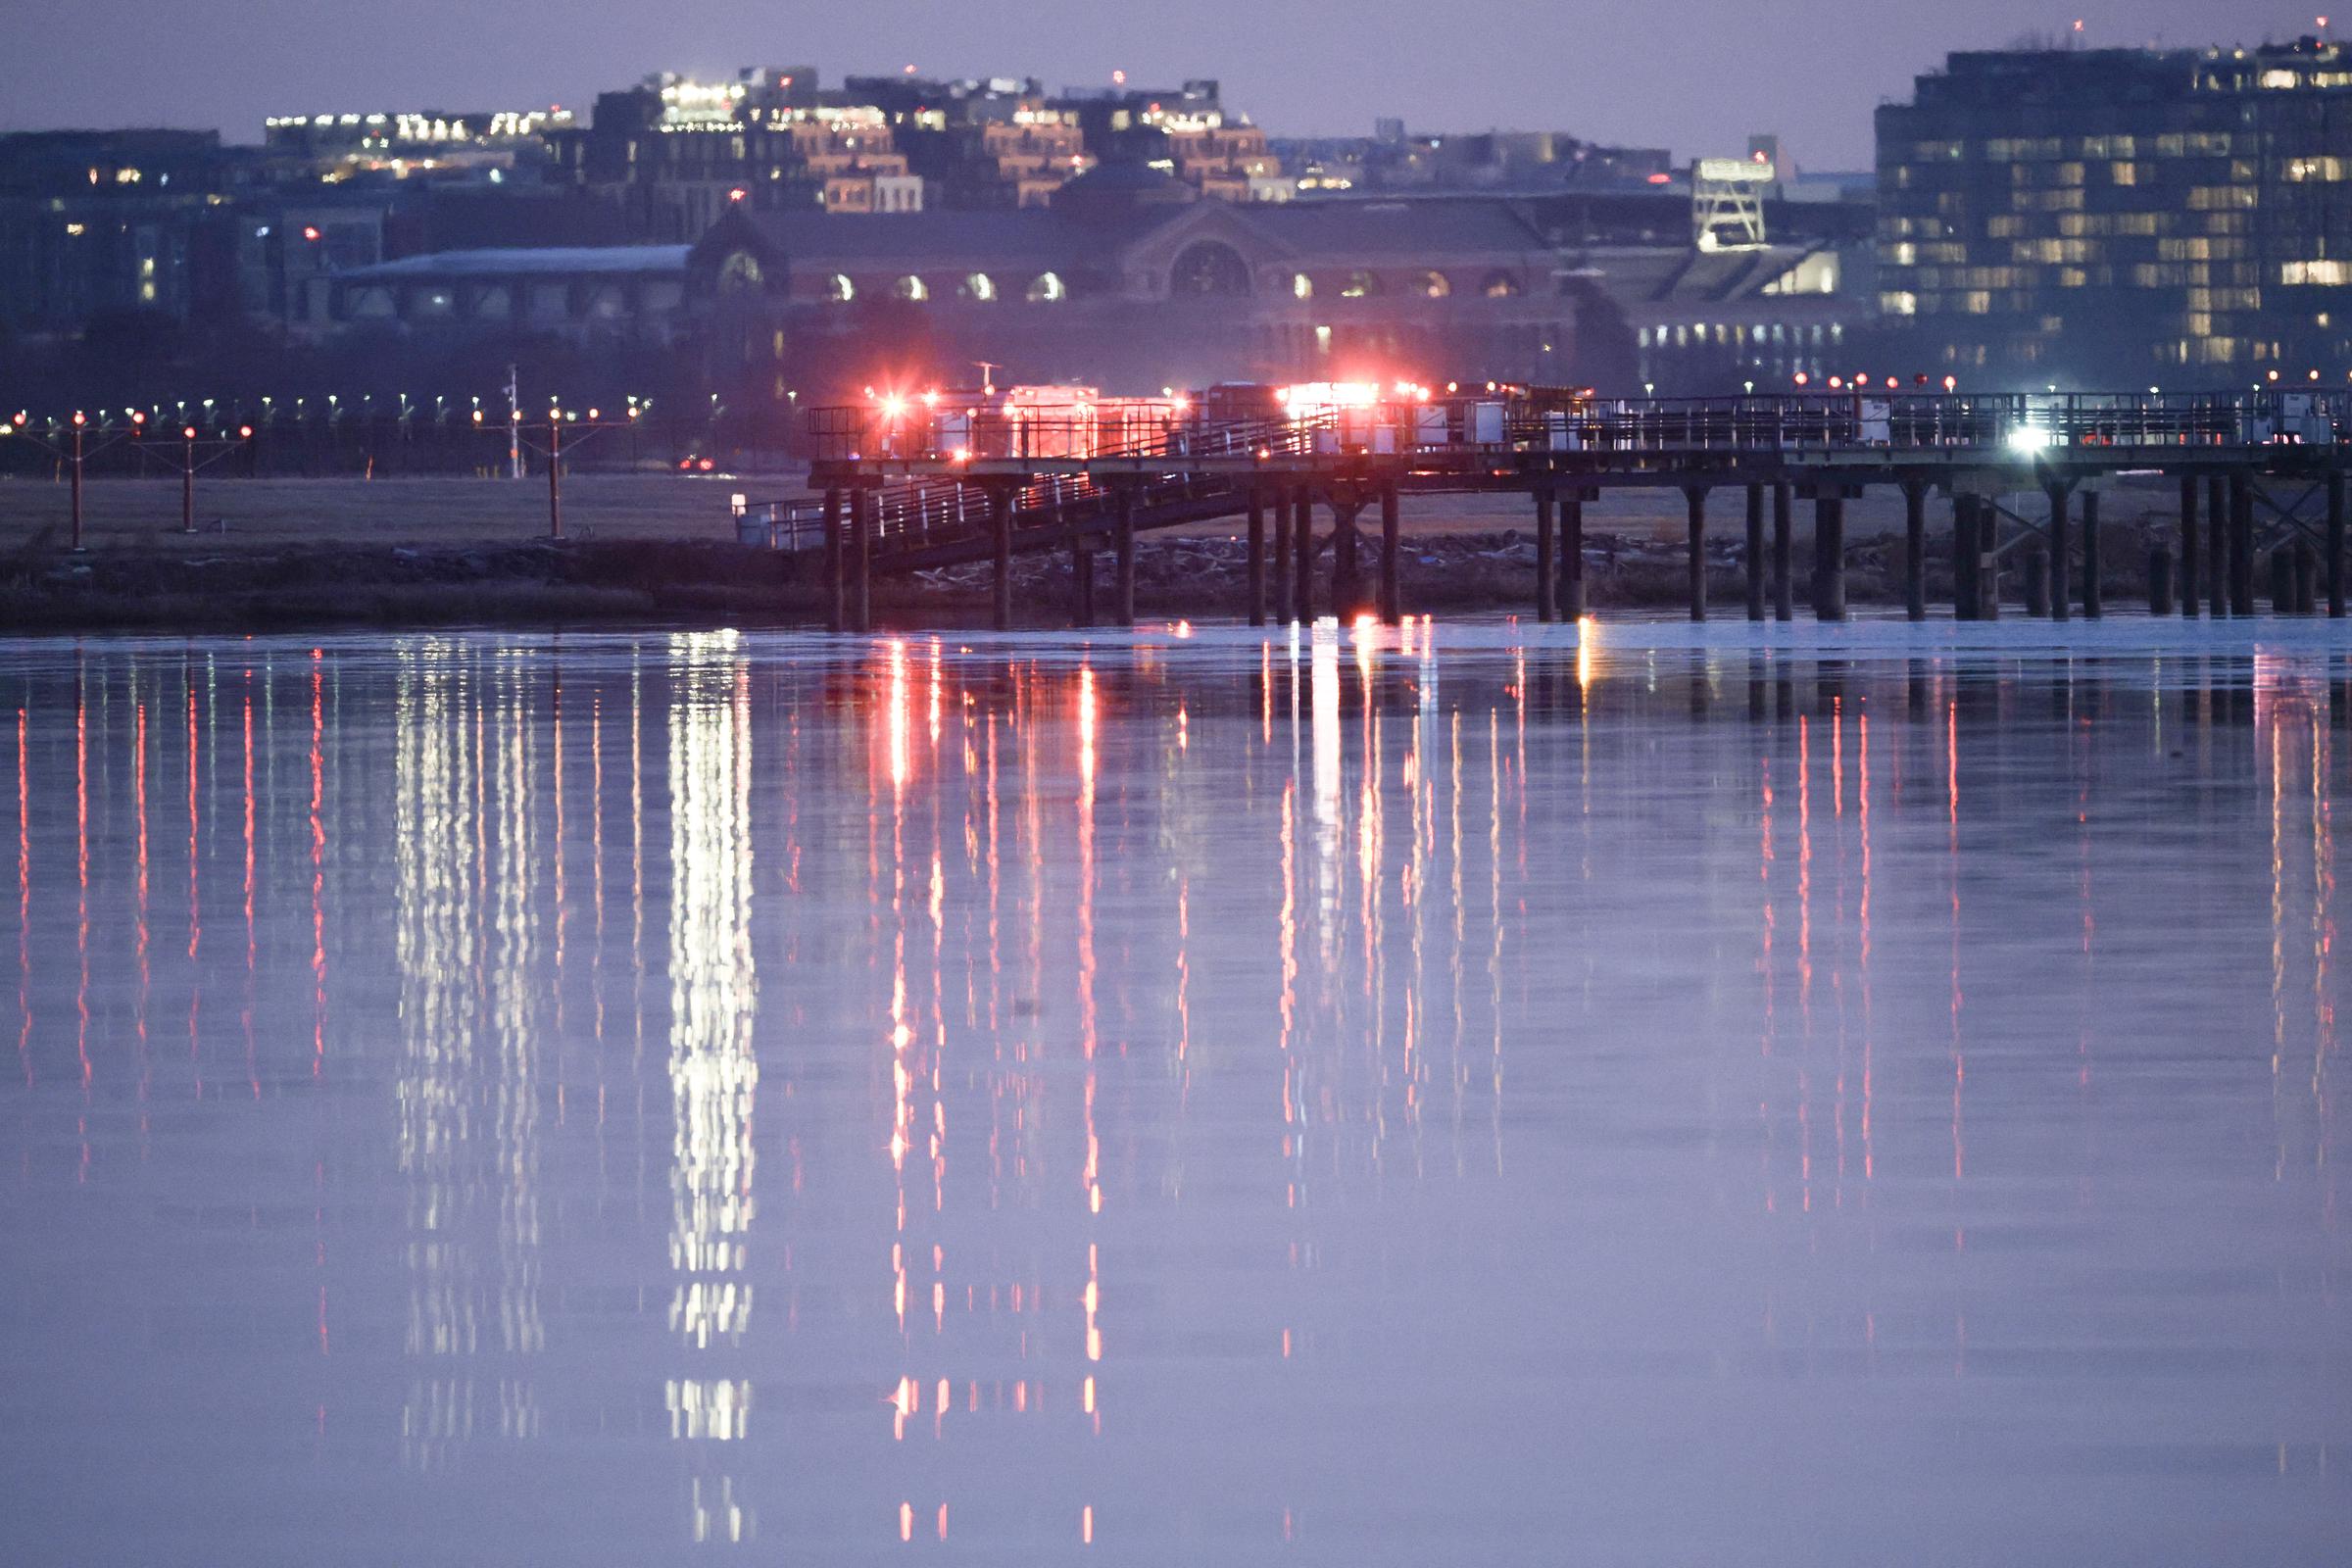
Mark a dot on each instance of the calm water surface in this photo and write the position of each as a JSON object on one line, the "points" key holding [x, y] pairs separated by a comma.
{"points": [[1679, 1099]]}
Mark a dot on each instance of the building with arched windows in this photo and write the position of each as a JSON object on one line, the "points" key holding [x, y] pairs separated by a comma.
{"points": [[1131, 279]]}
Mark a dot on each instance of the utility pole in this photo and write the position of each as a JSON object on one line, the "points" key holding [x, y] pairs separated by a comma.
{"points": [[554, 476], [514, 426]]}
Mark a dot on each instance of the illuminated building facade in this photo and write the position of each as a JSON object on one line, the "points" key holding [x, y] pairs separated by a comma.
{"points": [[342, 146], [1131, 279], [2139, 216]]}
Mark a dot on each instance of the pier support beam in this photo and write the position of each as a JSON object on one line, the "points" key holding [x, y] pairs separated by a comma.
{"points": [[1965, 556], [1000, 529], [2335, 546], [1258, 558], [2191, 557], [1915, 548], [861, 560], [1125, 543], [836, 612], [2160, 580], [1392, 526], [1282, 555], [2037, 580], [2060, 585], [1572, 557], [2094, 603], [1303, 539], [1829, 557], [1547, 566], [2241, 543], [1346, 561], [2217, 545], [1082, 578], [1784, 584], [1695, 507], [2283, 580], [1754, 559]]}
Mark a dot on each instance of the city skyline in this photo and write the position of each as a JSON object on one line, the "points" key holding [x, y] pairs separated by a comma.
{"points": [[1602, 73]]}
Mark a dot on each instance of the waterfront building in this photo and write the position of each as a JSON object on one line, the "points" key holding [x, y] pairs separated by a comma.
{"points": [[2174, 217]]}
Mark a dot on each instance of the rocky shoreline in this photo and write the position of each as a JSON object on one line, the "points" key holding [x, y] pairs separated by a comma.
{"points": [[701, 583]]}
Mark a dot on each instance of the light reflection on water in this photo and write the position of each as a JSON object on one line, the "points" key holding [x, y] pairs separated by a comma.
{"points": [[1347, 1095]]}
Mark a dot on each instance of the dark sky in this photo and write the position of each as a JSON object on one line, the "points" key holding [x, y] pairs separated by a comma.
{"points": [[1695, 75]]}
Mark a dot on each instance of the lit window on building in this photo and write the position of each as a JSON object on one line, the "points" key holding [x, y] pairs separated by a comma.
{"points": [[910, 287], [839, 290], [1046, 289], [979, 287], [1302, 287]]}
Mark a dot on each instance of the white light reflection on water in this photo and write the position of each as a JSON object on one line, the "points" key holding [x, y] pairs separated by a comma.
{"points": [[1689, 1095]]}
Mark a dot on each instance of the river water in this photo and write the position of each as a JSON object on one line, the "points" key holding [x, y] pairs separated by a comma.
{"points": [[1472, 1094]]}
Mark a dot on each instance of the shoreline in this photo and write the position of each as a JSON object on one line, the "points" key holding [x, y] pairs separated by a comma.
{"points": [[701, 583]]}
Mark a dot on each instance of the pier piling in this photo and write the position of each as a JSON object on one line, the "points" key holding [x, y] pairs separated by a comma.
{"points": [[2217, 545], [1082, 578], [1392, 596], [2241, 544], [1572, 557], [1546, 568], [1829, 556], [1000, 523], [2335, 546], [835, 610], [2190, 488], [1282, 556], [1754, 559], [1695, 505], [1783, 587], [861, 560], [2094, 602], [1915, 548], [2061, 589], [1125, 545], [1303, 538], [1258, 558], [1964, 557], [2160, 580], [1347, 563]]}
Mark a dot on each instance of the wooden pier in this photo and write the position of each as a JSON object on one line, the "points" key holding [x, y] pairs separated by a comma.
{"points": [[2261, 479]]}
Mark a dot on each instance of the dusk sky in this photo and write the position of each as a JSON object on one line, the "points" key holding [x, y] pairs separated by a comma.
{"points": [[1697, 75]]}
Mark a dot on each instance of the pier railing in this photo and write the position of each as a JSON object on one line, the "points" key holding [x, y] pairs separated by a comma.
{"points": [[1827, 423]]}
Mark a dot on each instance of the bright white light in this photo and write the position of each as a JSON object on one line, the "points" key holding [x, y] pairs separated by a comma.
{"points": [[2028, 438]]}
